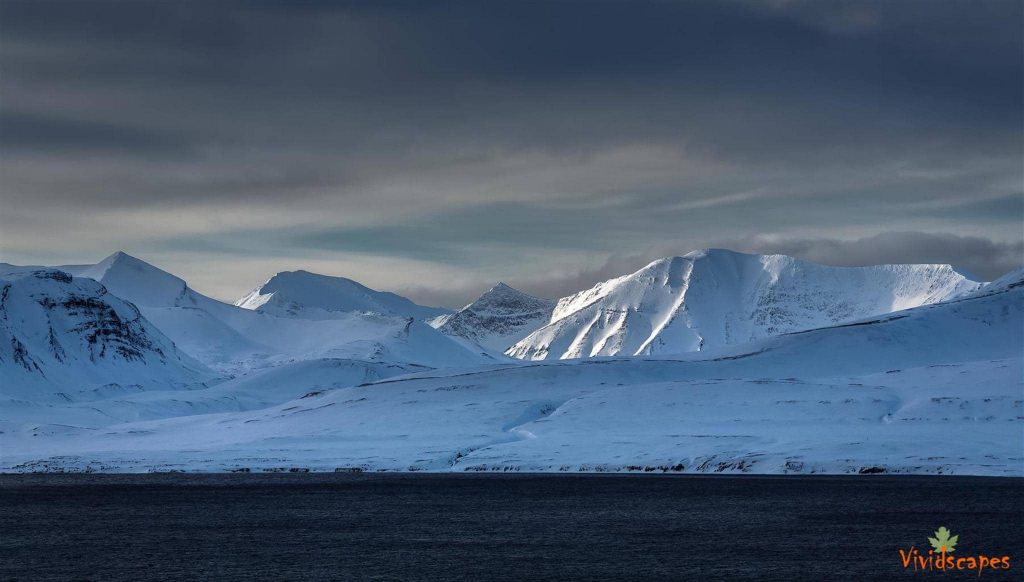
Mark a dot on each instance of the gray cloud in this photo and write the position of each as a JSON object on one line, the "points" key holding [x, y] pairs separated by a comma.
{"points": [[470, 141], [35, 133], [975, 255]]}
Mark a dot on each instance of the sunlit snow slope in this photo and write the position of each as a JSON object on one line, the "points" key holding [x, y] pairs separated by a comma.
{"points": [[716, 298]]}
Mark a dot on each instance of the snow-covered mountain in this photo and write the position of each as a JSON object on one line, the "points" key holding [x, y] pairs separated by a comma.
{"points": [[233, 339], [803, 368], [137, 281], [305, 294], [497, 319], [69, 335], [716, 297], [931, 389]]}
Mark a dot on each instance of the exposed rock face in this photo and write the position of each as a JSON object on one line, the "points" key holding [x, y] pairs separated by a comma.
{"points": [[73, 332], [498, 318]]}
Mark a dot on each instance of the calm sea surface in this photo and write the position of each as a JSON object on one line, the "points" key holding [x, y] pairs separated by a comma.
{"points": [[487, 527]]}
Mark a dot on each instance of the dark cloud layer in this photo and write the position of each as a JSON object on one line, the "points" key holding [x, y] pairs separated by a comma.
{"points": [[977, 257], [465, 136]]}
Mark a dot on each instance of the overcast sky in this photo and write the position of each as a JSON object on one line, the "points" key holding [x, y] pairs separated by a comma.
{"points": [[434, 150]]}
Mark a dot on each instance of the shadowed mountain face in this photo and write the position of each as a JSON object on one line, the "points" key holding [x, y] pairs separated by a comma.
{"points": [[498, 318], [69, 334]]}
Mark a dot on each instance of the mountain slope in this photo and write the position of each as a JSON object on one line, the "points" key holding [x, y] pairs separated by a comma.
{"points": [[234, 340], [256, 390], [305, 294], [1011, 280], [135, 280], [932, 389], [718, 298], [66, 334], [498, 318]]}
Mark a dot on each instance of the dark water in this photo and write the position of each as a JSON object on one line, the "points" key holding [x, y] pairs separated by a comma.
{"points": [[422, 527]]}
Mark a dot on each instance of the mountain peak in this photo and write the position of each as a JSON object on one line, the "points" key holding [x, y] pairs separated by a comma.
{"points": [[133, 279], [497, 319], [285, 279], [121, 259], [712, 254], [298, 292], [507, 297], [718, 297], [503, 292]]}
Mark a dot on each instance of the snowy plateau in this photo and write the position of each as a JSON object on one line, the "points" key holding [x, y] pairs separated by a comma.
{"points": [[714, 361]]}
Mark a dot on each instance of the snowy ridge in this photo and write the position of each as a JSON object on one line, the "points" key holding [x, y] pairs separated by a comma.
{"points": [[135, 280], [1012, 280], [234, 340], [715, 298], [498, 318], [304, 294]]}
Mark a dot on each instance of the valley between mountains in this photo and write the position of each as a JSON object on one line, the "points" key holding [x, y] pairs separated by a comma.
{"points": [[713, 361]]}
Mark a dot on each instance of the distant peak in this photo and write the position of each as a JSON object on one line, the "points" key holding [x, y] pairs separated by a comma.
{"points": [[502, 292], [717, 252], [705, 253], [502, 289], [304, 274], [673, 267], [117, 257], [123, 256], [303, 281], [291, 291], [133, 279], [124, 260], [668, 262]]}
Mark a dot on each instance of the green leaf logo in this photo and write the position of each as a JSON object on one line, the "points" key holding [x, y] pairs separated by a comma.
{"points": [[943, 542]]}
